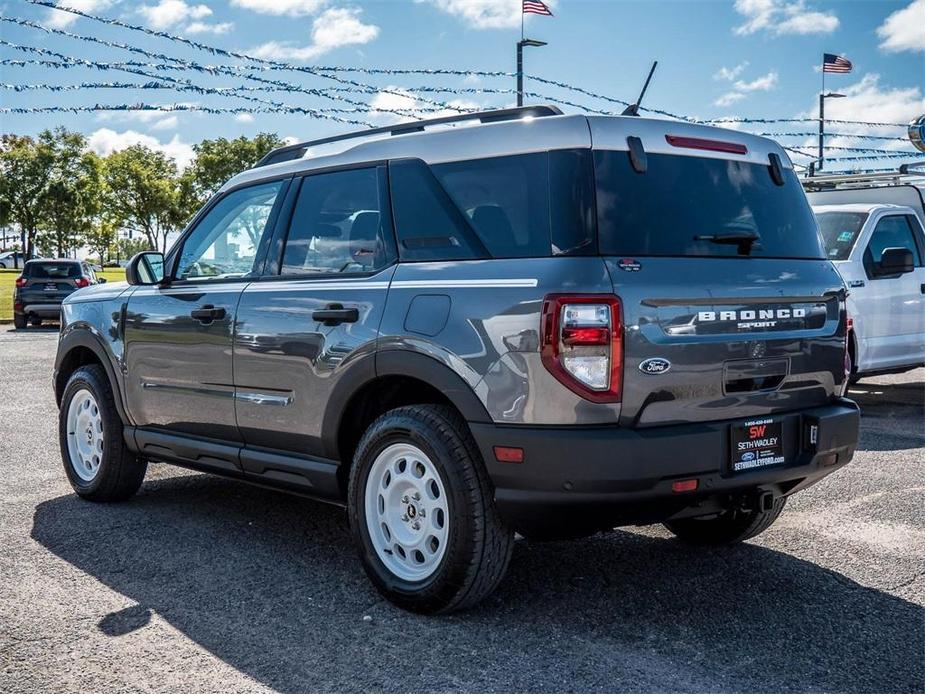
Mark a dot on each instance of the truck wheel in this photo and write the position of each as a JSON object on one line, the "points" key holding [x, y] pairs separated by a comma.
{"points": [[35, 322], [421, 511], [97, 462], [728, 528], [19, 321]]}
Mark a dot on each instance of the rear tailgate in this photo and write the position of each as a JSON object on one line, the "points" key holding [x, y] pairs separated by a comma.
{"points": [[712, 339], [731, 309], [45, 291]]}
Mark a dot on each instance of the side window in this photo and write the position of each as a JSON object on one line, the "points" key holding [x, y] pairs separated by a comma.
{"points": [[224, 243], [891, 232], [506, 200], [428, 225], [340, 224], [521, 206]]}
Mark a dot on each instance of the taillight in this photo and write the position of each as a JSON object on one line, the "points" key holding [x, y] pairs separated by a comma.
{"points": [[21, 282], [582, 344], [82, 282]]}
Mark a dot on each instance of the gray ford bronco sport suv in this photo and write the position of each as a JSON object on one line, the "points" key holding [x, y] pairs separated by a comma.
{"points": [[543, 323]]}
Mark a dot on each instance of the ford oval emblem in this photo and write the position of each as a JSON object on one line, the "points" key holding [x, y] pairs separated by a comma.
{"points": [[655, 366]]}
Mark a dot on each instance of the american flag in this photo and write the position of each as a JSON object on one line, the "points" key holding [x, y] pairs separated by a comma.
{"points": [[536, 7], [835, 63]]}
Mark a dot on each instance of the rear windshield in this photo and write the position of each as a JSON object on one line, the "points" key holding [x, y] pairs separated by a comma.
{"points": [[52, 271], [680, 202], [839, 232]]}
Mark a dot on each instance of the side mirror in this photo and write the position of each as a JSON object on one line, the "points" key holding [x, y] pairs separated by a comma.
{"points": [[895, 261], [146, 267]]}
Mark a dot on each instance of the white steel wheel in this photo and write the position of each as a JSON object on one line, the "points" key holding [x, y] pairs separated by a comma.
{"points": [[407, 514], [84, 435]]}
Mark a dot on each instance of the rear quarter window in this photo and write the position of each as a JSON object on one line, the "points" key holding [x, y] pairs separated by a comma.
{"points": [[522, 206], [678, 198]]}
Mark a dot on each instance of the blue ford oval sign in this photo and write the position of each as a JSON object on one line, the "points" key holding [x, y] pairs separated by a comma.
{"points": [[917, 133], [654, 366]]}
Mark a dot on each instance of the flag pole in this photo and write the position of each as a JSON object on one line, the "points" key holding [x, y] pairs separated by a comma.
{"points": [[822, 115]]}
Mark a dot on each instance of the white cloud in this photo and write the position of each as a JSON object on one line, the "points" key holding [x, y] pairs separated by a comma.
{"points": [[105, 141], [764, 83], [395, 98], [729, 98], [204, 28], [168, 123], [730, 73], [904, 30], [168, 13], [57, 19], [484, 14], [783, 17], [741, 87], [244, 118], [868, 101], [333, 28], [292, 8]]}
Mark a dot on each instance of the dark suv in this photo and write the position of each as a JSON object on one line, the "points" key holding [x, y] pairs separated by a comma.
{"points": [[545, 324], [44, 284]]}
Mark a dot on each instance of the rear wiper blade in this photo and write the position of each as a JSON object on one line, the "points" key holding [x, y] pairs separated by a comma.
{"points": [[743, 240]]}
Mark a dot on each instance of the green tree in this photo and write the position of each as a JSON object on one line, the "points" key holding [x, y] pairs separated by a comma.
{"points": [[24, 173], [101, 237], [126, 248], [144, 193], [73, 192], [218, 160]]}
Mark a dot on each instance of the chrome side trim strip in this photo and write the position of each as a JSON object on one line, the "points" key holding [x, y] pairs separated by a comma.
{"points": [[283, 286], [264, 399], [464, 284]]}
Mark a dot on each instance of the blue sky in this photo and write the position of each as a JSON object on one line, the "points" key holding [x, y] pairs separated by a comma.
{"points": [[749, 58]]}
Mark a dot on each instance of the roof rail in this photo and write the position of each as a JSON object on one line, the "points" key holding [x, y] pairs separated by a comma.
{"points": [[297, 150], [914, 170]]}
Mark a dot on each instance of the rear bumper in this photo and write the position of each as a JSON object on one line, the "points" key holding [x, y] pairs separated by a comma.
{"points": [[43, 310], [609, 476]]}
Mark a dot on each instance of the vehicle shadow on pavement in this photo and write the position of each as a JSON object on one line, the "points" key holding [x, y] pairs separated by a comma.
{"points": [[270, 584], [893, 414], [31, 329]]}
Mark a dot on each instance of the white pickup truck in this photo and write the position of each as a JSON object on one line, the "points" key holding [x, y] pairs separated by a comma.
{"points": [[879, 249]]}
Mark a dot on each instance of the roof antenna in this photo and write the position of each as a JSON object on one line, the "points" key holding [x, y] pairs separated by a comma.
{"points": [[633, 109]]}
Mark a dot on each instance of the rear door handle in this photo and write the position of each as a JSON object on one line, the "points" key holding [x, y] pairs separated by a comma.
{"points": [[208, 313], [335, 314]]}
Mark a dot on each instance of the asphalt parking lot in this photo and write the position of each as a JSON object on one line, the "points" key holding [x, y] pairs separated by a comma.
{"points": [[203, 584]]}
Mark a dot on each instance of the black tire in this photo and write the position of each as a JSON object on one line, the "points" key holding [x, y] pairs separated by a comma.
{"points": [[728, 528], [479, 544], [853, 375], [120, 472], [20, 321], [35, 322]]}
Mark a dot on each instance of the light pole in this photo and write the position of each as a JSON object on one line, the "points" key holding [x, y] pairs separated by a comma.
{"points": [[520, 65], [822, 97]]}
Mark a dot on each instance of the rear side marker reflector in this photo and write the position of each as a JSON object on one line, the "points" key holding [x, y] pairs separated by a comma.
{"points": [[709, 145], [507, 454], [679, 486]]}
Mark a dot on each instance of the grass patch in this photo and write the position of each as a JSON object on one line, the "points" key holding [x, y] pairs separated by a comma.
{"points": [[8, 282]]}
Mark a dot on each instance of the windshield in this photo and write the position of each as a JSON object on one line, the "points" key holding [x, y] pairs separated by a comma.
{"points": [[839, 232], [695, 206]]}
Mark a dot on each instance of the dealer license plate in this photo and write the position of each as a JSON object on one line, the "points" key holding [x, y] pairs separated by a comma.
{"points": [[756, 444]]}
